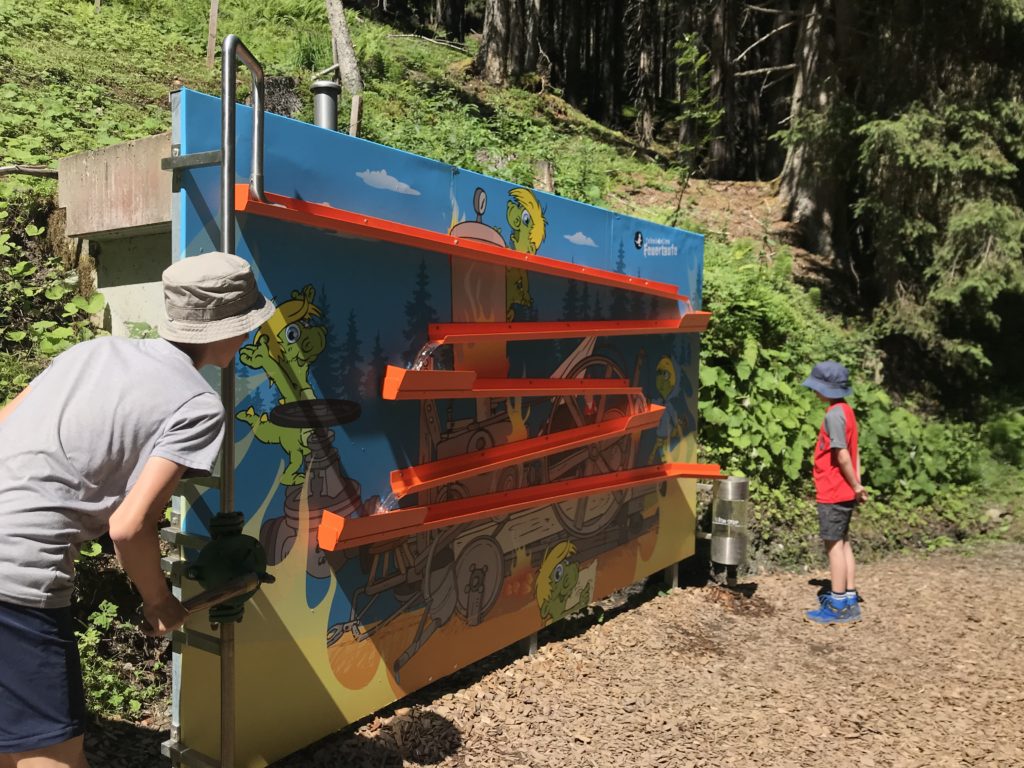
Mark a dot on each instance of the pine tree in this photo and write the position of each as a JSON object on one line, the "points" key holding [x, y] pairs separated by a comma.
{"points": [[351, 374], [637, 305], [418, 314], [584, 312], [374, 375], [328, 368], [619, 307], [571, 303]]}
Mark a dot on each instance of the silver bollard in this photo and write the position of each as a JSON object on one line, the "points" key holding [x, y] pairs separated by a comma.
{"points": [[325, 103], [729, 515]]}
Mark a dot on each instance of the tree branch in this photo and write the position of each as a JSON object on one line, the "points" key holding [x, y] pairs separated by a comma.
{"points": [[323, 72], [766, 70], [446, 43], [40, 171], [775, 11], [756, 43]]}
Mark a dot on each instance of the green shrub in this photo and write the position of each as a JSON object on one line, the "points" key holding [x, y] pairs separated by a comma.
{"points": [[1004, 436], [41, 312], [758, 421], [116, 683]]}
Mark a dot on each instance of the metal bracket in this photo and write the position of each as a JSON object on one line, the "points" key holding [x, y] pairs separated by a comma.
{"points": [[174, 567], [176, 538], [179, 162], [198, 640], [171, 749]]}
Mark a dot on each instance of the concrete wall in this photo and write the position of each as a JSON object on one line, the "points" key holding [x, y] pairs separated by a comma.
{"points": [[115, 190], [119, 198], [128, 274]]}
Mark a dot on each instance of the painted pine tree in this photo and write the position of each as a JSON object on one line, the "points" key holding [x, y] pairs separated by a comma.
{"points": [[419, 313]]}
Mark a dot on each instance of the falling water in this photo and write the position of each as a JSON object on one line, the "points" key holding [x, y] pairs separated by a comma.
{"points": [[387, 504], [424, 355]]}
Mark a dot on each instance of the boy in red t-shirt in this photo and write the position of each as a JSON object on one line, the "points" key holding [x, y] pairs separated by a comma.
{"points": [[837, 491]]}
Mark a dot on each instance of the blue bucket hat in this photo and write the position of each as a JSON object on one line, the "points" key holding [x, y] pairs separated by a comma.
{"points": [[830, 379]]}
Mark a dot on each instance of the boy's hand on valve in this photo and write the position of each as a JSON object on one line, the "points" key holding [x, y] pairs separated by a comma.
{"points": [[163, 617]]}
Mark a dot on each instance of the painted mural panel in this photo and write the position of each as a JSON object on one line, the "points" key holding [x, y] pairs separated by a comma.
{"points": [[343, 633]]}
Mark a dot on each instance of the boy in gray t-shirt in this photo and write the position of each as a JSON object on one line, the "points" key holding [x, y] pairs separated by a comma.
{"points": [[97, 443]]}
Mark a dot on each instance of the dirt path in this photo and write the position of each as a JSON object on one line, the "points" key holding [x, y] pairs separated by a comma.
{"points": [[933, 676]]}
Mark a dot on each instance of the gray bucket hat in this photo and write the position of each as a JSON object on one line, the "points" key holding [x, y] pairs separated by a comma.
{"points": [[211, 297], [830, 379]]}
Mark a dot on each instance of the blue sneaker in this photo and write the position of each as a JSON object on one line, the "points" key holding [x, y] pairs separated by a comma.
{"points": [[832, 613], [826, 595]]}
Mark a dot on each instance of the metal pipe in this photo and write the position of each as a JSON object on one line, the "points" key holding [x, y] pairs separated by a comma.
{"points": [[325, 104], [227, 694], [233, 51]]}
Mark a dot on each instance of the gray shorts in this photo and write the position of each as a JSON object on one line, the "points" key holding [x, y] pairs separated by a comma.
{"points": [[834, 520]]}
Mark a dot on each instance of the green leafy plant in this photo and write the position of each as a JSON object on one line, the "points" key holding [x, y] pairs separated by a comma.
{"points": [[757, 421], [41, 313], [115, 685], [1004, 435]]}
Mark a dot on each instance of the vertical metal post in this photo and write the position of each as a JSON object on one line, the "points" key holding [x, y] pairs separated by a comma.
{"points": [[227, 694], [528, 645], [233, 50], [671, 576]]}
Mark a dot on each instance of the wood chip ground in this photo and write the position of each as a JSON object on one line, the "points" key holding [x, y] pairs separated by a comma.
{"points": [[706, 676]]}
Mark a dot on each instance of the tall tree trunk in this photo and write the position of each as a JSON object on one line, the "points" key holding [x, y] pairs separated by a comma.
{"points": [[211, 37], [345, 58], [809, 188], [723, 30], [449, 15], [642, 33], [492, 58], [510, 41]]}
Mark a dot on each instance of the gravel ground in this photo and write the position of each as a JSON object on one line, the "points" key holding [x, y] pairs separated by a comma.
{"points": [[706, 676]]}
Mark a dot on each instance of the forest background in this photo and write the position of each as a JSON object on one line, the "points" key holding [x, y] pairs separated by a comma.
{"points": [[882, 142]]}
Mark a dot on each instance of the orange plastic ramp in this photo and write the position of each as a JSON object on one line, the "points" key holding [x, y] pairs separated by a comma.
{"points": [[337, 532], [327, 217], [469, 333], [424, 476], [406, 384]]}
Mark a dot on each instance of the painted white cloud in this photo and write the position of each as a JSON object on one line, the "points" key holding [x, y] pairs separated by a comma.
{"points": [[580, 239], [383, 180]]}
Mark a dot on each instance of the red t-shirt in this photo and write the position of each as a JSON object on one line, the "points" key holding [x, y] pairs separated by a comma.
{"points": [[829, 484]]}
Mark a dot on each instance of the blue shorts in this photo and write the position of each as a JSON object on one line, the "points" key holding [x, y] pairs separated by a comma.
{"points": [[42, 701]]}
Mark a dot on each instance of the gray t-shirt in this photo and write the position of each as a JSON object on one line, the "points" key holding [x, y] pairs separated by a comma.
{"points": [[835, 427], [75, 445]]}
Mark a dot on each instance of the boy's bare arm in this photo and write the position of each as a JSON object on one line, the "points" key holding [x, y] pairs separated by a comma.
{"points": [[845, 462], [8, 409], [133, 529]]}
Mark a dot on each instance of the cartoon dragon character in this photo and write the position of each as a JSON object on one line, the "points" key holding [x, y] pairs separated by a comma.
{"points": [[526, 219], [556, 582], [284, 348]]}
